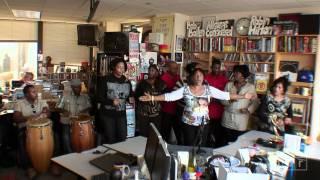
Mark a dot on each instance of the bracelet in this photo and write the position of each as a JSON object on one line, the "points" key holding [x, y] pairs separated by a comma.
{"points": [[152, 99]]}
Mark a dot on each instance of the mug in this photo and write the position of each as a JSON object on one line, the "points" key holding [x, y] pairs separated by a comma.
{"points": [[123, 168]]}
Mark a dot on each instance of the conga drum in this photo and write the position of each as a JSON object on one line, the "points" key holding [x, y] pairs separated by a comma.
{"points": [[39, 143], [82, 133]]}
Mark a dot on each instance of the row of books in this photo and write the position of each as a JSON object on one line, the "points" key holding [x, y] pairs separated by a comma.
{"points": [[257, 58], [264, 44], [221, 44], [299, 44]]}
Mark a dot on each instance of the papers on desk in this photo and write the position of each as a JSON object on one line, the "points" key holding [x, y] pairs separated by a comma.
{"points": [[239, 173], [292, 143], [135, 146]]}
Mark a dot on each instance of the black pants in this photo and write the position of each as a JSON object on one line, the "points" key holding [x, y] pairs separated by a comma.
{"points": [[190, 134], [171, 121], [144, 123], [215, 135], [23, 157], [65, 139], [114, 125], [231, 135]]}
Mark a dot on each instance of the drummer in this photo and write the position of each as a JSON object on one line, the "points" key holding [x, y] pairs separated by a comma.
{"points": [[27, 108], [72, 105]]}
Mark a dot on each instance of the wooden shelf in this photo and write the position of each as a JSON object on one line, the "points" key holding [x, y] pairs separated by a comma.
{"points": [[262, 93], [230, 62], [251, 52], [300, 35], [224, 52], [297, 53], [258, 62], [298, 96], [302, 84]]}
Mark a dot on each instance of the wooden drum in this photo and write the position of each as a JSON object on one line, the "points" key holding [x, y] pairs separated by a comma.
{"points": [[82, 133], [40, 143]]}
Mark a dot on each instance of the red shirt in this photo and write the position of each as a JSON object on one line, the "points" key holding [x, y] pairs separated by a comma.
{"points": [[218, 81], [170, 81]]}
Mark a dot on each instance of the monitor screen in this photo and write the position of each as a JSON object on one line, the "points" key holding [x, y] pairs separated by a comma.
{"points": [[161, 166], [151, 147]]}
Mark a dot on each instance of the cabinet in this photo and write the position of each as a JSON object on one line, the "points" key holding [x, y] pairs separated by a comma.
{"points": [[265, 56]]}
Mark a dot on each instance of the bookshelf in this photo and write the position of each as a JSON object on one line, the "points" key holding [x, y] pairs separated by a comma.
{"points": [[264, 56]]}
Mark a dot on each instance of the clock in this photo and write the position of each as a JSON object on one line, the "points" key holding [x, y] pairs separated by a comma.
{"points": [[242, 26]]}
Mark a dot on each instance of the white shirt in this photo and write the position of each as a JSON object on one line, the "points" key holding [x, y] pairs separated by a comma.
{"points": [[232, 117], [25, 107]]}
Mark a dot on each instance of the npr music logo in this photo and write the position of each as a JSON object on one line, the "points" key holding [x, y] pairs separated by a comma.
{"points": [[301, 164]]}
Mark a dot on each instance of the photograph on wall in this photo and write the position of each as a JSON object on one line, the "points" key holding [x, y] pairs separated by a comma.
{"points": [[299, 111], [290, 69], [147, 58], [179, 43], [178, 57]]}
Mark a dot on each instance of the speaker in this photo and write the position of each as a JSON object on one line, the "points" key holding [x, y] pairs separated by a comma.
{"points": [[309, 24], [116, 42], [87, 34]]}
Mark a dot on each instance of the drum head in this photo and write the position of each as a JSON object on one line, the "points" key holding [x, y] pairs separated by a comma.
{"points": [[82, 118], [38, 122]]}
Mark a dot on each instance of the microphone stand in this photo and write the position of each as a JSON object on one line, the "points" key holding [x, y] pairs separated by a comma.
{"points": [[198, 140]]}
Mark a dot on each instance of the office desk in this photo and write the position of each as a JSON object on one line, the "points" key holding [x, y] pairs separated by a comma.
{"points": [[79, 162]]}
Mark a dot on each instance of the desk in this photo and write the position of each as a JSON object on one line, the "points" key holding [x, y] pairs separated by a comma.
{"points": [[79, 162]]}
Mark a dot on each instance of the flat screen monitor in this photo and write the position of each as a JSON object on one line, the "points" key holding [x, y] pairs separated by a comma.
{"points": [[151, 147], [306, 168], [161, 166]]}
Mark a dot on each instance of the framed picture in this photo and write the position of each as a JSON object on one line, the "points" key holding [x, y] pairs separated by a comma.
{"points": [[299, 109], [179, 42], [179, 57]]}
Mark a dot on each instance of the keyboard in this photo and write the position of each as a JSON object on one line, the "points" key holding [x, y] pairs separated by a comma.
{"points": [[102, 176]]}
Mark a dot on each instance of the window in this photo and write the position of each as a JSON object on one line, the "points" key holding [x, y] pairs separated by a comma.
{"points": [[17, 58]]}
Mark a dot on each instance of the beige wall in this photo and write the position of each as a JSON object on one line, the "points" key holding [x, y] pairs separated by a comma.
{"points": [[18, 30], [60, 41]]}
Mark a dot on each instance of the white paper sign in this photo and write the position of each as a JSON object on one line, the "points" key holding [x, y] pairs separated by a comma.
{"points": [[292, 143]]}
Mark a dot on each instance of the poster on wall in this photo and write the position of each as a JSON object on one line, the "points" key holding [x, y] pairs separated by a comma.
{"points": [[134, 47], [179, 42], [211, 29], [132, 71], [147, 58], [178, 57], [164, 25]]}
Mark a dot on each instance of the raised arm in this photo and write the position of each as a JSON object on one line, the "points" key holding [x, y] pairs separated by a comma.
{"points": [[172, 96], [222, 95]]}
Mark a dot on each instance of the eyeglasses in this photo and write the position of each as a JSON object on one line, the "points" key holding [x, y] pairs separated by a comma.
{"points": [[33, 109]]}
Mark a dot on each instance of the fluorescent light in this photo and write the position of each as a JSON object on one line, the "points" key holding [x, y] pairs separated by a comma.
{"points": [[26, 14]]}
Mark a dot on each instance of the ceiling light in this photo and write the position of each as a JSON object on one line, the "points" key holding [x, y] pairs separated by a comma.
{"points": [[26, 14]]}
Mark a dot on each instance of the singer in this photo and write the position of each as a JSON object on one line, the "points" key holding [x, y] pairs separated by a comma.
{"points": [[196, 95], [117, 91]]}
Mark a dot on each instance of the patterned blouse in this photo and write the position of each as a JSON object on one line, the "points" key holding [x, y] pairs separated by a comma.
{"points": [[269, 108], [196, 109]]}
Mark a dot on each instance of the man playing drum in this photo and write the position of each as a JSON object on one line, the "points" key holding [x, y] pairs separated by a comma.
{"points": [[28, 108], [72, 105]]}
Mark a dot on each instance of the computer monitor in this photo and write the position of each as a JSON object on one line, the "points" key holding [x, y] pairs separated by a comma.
{"points": [[151, 147], [306, 168], [161, 166]]}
